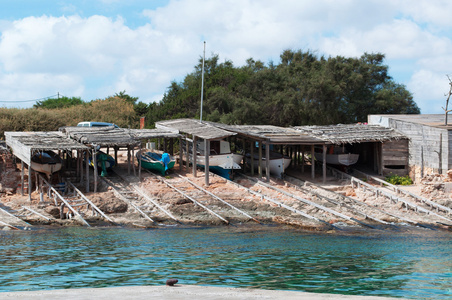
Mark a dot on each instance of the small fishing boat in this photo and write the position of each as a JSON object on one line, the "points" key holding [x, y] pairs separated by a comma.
{"points": [[153, 161], [278, 163], [104, 161], [337, 156], [221, 160], [47, 162]]}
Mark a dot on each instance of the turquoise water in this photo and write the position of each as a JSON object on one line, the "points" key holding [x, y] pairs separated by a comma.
{"points": [[412, 265]]}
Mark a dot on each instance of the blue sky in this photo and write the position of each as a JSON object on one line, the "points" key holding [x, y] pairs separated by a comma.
{"points": [[94, 49]]}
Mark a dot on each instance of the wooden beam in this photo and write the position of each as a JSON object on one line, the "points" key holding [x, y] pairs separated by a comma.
{"points": [[95, 169], [267, 160], [194, 155], [324, 164], [87, 169], [22, 175], [206, 155], [180, 154], [260, 160], [252, 157], [312, 162]]}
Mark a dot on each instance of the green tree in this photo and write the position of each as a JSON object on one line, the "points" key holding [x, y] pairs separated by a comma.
{"points": [[61, 102]]}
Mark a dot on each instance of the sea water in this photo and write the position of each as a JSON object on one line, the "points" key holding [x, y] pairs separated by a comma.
{"points": [[414, 265]]}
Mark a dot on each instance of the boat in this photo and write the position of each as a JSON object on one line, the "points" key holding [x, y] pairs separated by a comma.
{"points": [[157, 162], [278, 163], [104, 161], [47, 162], [337, 156], [221, 160]]}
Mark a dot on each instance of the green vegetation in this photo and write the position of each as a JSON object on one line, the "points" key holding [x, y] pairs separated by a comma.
{"points": [[303, 89], [399, 180], [62, 102], [112, 110]]}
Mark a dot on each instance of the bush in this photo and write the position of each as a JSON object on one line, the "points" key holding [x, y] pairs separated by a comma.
{"points": [[399, 180]]}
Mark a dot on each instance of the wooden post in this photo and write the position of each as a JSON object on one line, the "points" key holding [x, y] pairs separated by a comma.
{"points": [[95, 169], [187, 151], [133, 161], [22, 175], [171, 147], [260, 160], [80, 162], [87, 169], [267, 160], [194, 156], [180, 154], [128, 160], [116, 154], [165, 145], [324, 164], [252, 158], [312, 162], [206, 154], [139, 162]]}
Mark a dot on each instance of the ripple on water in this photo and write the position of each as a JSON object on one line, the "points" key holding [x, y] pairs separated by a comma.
{"points": [[396, 265]]}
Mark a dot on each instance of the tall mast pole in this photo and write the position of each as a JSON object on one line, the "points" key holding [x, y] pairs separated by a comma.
{"points": [[202, 79]]}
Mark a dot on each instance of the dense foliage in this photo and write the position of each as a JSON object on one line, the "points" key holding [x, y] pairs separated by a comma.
{"points": [[113, 110], [302, 89], [60, 102]]}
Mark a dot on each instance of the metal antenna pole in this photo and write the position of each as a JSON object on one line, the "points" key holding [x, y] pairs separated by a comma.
{"points": [[202, 79]]}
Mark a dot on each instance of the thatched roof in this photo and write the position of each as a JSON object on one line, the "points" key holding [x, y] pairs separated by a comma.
{"points": [[270, 133], [24, 144], [100, 136], [196, 128], [351, 133], [113, 136]]}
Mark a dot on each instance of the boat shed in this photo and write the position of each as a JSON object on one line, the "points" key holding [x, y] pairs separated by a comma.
{"points": [[116, 138], [383, 149], [25, 144], [197, 130], [270, 136], [430, 145]]}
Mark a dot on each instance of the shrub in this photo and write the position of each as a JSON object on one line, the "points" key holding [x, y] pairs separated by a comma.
{"points": [[399, 180]]}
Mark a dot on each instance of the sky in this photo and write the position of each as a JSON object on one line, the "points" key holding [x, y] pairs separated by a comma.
{"points": [[93, 49]]}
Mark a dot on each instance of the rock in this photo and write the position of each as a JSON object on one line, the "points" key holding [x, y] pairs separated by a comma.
{"points": [[180, 201], [109, 204], [171, 282], [53, 211]]}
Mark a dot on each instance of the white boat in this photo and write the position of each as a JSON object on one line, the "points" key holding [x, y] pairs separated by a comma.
{"points": [[336, 156], [278, 163], [221, 160], [47, 162]]}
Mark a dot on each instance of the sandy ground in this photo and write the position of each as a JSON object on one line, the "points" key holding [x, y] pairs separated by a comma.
{"points": [[177, 292]]}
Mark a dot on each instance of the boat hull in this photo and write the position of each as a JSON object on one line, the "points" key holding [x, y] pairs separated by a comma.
{"points": [[149, 162], [220, 164], [47, 162], [278, 163], [345, 159]]}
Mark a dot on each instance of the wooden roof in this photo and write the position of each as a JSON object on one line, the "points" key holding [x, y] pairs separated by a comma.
{"points": [[351, 133], [113, 136], [100, 136], [196, 128], [25, 144], [272, 134]]}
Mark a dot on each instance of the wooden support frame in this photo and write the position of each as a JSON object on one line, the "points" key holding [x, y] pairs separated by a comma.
{"points": [[195, 140], [206, 155]]}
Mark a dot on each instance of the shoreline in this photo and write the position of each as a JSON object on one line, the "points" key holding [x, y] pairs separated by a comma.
{"points": [[177, 292]]}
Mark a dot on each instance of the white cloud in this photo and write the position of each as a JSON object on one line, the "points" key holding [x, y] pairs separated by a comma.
{"points": [[100, 56]]}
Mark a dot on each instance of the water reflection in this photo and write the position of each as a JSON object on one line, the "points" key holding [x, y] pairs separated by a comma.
{"points": [[409, 265]]}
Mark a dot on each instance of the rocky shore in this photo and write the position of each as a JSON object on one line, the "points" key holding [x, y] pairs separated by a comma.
{"points": [[182, 199]]}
